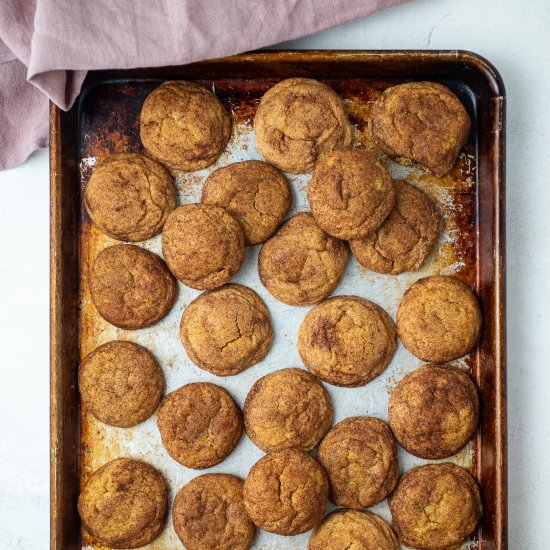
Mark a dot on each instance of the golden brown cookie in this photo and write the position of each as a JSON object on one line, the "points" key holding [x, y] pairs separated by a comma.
{"points": [[254, 192], [287, 408], [184, 125], [353, 530], [300, 265], [124, 504], [200, 424], [360, 458], [439, 319], [406, 236], [203, 245], [129, 196], [350, 193], [297, 121], [434, 411], [209, 514], [120, 383], [435, 507], [131, 287], [286, 492], [347, 341], [226, 330], [420, 121]]}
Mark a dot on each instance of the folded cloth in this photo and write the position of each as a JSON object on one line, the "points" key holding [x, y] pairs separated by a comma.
{"points": [[46, 46]]}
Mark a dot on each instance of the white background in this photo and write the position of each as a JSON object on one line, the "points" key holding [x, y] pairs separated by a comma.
{"points": [[512, 34]]}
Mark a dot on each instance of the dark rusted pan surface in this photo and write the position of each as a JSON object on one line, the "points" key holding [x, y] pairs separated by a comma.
{"points": [[105, 120]]}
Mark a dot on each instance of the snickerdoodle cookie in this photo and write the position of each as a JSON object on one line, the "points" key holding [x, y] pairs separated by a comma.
{"points": [[131, 287], [434, 411], [406, 236], [200, 424], [420, 121], [254, 192], [360, 458], [209, 513], [285, 409], [439, 319], [347, 341], [353, 530], [435, 506], [120, 383], [286, 492], [299, 120], [226, 330], [124, 504], [184, 125], [350, 193], [300, 265], [129, 196], [203, 245]]}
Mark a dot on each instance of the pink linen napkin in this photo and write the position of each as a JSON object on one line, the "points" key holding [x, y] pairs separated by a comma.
{"points": [[47, 46]]}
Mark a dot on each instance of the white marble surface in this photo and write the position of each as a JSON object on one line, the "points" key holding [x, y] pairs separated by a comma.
{"points": [[514, 35]]}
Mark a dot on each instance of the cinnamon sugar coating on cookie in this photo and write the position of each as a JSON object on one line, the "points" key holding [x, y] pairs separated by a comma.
{"points": [[299, 120]]}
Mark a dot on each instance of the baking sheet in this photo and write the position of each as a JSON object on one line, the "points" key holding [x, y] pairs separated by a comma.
{"points": [[455, 254]]}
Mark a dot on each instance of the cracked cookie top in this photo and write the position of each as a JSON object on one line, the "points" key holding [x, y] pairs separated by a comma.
{"points": [[347, 341], [299, 120], [434, 411], [406, 236], [435, 506], [286, 492], [226, 330], [209, 513], [203, 245], [184, 125], [131, 287], [350, 193], [285, 409], [200, 424], [420, 121], [300, 265], [124, 504], [353, 530], [254, 192], [129, 196], [120, 383], [439, 319], [360, 458]]}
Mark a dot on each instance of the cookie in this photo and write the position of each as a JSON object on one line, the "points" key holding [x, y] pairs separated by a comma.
{"points": [[184, 125], [406, 236], [203, 245], [254, 192], [299, 120], [420, 121], [350, 193], [434, 411], [131, 287], [226, 330], [347, 341], [353, 530], [129, 196], [209, 513], [288, 408], [124, 504], [439, 319], [360, 458], [301, 265], [286, 492], [200, 424], [120, 383], [435, 506]]}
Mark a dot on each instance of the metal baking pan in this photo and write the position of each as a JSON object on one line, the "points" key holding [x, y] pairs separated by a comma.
{"points": [[104, 120]]}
